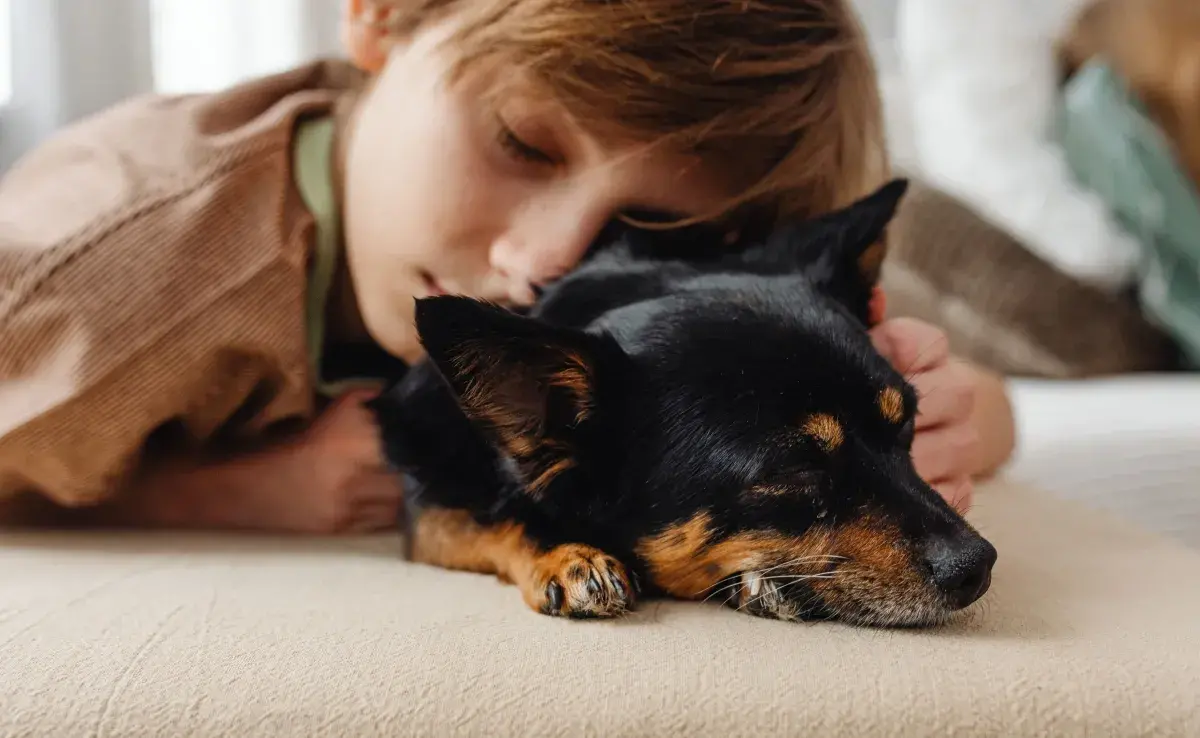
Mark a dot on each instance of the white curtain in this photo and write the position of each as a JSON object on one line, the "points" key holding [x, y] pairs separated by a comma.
{"points": [[70, 58]]}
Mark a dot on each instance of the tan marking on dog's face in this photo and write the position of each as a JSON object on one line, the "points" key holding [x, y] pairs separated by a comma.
{"points": [[879, 582], [685, 562], [826, 431], [891, 405], [862, 571]]}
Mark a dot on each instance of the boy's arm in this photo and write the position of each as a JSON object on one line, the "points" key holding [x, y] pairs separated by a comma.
{"points": [[328, 479]]}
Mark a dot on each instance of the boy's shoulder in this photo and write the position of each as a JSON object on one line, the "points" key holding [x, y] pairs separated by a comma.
{"points": [[163, 190], [148, 153]]}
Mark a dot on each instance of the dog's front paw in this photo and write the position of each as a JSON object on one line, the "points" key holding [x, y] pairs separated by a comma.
{"points": [[578, 581]]}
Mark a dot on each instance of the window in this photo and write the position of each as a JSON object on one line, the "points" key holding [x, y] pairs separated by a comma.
{"points": [[205, 46], [6, 54]]}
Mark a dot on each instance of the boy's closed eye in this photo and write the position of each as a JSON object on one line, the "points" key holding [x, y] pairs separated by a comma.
{"points": [[522, 151]]}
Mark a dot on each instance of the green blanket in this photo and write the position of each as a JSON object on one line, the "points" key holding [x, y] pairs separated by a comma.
{"points": [[1117, 151]]}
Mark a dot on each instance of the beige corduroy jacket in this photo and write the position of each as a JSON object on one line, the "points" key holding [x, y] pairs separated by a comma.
{"points": [[153, 274]]}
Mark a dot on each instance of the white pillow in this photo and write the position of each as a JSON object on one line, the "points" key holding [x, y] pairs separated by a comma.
{"points": [[980, 86]]}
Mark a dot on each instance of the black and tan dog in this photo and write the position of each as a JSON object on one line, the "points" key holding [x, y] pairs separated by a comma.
{"points": [[720, 428]]}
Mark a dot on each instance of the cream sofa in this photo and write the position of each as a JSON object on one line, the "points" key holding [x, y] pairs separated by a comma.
{"points": [[1128, 444], [1092, 627]]}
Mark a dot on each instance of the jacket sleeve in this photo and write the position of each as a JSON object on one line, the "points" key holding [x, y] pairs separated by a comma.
{"points": [[131, 303]]}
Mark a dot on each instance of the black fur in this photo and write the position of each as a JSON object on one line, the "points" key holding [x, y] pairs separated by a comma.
{"points": [[669, 390]]}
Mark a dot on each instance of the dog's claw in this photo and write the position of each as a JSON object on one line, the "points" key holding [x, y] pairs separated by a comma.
{"points": [[554, 596], [618, 585]]}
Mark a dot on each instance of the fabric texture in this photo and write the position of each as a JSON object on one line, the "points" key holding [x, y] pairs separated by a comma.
{"points": [[153, 275], [1004, 307], [1090, 629]]}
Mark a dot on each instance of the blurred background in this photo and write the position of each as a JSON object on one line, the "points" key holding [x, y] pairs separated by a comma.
{"points": [[1053, 229], [63, 59]]}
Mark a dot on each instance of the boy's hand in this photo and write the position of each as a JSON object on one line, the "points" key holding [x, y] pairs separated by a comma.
{"points": [[947, 442], [330, 479], [349, 488]]}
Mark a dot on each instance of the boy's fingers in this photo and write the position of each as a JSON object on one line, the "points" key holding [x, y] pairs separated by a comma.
{"points": [[381, 487], [946, 395], [911, 345], [351, 425], [945, 453]]}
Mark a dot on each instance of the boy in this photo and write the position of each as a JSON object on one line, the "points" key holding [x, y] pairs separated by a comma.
{"points": [[189, 284]]}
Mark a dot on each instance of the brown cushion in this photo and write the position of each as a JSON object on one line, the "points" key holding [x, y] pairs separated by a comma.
{"points": [[1005, 308]]}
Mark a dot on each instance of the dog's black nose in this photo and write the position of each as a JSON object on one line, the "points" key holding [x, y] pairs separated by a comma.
{"points": [[961, 567]]}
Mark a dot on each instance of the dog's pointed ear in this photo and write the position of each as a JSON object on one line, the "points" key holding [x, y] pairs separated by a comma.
{"points": [[841, 252], [526, 384]]}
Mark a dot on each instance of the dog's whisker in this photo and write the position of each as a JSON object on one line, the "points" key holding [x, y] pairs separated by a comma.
{"points": [[730, 586], [800, 577], [816, 559]]}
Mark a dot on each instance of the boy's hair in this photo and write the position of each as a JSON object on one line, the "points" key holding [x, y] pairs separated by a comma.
{"points": [[780, 94]]}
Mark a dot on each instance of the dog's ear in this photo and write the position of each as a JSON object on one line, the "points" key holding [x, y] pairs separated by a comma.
{"points": [[841, 252], [528, 385]]}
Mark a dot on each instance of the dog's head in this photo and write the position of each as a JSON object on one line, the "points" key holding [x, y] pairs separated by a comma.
{"points": [[740, 437]]}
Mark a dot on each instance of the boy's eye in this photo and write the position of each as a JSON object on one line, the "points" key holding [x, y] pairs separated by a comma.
{"points": [[522, 151], [651, 217]]}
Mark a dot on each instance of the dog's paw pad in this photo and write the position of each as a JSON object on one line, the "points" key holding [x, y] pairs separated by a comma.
{"points": [[579, 581]]}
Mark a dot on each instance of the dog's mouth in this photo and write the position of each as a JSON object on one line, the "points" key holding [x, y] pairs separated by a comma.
{"points": [[776, 596], [849, 592]]}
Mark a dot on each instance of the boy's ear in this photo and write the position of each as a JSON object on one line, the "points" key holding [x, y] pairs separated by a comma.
{"points": [[526, 384], [841, 252], [363, 35]]}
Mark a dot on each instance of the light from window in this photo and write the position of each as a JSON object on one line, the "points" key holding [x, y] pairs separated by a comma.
{"points": [[206, 46], [5, 53]]}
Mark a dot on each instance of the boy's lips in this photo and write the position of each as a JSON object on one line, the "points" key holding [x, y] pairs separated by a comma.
{"points": [[433, 287]]}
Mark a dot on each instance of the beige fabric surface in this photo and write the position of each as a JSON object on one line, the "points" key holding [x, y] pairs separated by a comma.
{"points": [[1091, 628]]}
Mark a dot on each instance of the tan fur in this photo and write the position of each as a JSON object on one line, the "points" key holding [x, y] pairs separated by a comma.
{"points": [[874, 569], [891, 405], [453, 540], [517, 419], [825, 430]]}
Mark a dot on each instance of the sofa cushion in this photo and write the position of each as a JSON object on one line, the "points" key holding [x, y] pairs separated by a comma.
{"points": [[1090, 628]]}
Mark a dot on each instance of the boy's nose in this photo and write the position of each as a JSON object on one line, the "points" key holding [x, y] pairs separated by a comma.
{"points": [[543, 243], [524, 265]]}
